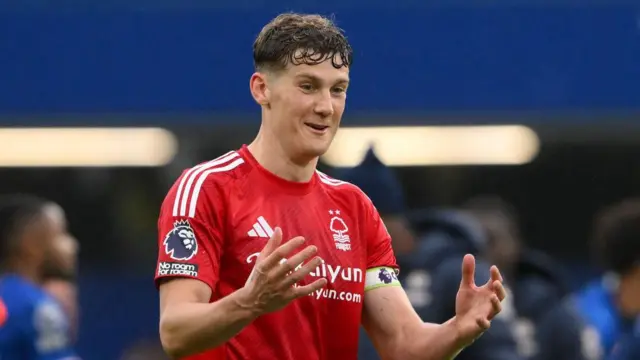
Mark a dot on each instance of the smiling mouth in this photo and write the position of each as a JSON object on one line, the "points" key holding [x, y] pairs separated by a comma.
{"points": [[317, 127]]}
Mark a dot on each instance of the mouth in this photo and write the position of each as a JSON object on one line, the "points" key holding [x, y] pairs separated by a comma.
{"points": [[317, 128]]}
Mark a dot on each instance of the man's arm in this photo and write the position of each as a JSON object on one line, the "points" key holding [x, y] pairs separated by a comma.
{"points": [[193, 240], [398, 333], [190, 324]]}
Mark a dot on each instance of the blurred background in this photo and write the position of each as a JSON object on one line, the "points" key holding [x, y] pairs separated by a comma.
{"points": [[103, 103]]}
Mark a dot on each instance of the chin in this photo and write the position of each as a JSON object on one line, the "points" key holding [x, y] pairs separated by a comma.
{"points": [[313, 151]]}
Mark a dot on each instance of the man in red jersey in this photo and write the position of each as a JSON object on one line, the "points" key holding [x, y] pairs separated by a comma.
{"points": [[263, 257]]}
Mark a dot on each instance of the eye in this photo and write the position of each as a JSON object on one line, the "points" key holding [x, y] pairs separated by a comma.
{"points": [[306, 87], [339, 90]]}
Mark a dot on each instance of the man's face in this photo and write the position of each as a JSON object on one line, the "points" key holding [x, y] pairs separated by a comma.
{"points": [[61, 247], [306, 103]]}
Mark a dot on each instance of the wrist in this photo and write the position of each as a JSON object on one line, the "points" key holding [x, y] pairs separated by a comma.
{"points": [[243, 300], [457, 334]]}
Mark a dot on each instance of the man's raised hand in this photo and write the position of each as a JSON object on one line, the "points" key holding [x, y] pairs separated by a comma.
{"points": [[271, 284], [477, 306]]}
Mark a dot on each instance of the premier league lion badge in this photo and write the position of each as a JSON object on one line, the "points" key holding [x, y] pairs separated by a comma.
{"points": [[386, 276], [180, 243]]}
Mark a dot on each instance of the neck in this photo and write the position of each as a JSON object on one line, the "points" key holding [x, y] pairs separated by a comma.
{"points": [[23, 270], [271, 155]]}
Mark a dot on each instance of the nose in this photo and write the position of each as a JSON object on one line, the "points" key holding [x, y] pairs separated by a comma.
{"points": [[324, 104]]}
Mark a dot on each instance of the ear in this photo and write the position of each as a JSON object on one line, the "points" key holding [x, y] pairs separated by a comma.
{"points": [[260, 89]]}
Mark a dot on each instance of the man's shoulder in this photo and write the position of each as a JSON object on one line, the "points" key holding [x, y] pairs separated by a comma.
{"points": [[20, 290], [21, 298], [228, 167], [218, 172], [203, 182], [341, 188]]}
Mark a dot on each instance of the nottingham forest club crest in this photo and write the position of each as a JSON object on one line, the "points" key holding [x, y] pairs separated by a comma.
{"points": [[180, 243], [339, 229]]}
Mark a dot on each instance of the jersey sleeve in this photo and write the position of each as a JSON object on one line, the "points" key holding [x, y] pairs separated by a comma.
{"points": [[382, 268], [190, 231]]}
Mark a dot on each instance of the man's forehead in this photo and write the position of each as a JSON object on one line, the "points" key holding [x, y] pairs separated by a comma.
{"points": [[324, 71]]}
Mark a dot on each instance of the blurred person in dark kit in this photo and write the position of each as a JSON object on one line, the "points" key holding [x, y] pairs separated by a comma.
{"points": [[546, 324]]}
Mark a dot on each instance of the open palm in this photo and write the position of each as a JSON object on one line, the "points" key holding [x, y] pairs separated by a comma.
{"points": [[476, 306]]}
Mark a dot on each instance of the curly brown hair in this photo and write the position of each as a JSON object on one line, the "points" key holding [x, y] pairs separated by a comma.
{"points": [[296, 39]]}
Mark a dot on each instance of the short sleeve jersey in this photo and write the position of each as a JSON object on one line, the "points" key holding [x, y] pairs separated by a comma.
{"points": [[217, 218], [33, 325]]}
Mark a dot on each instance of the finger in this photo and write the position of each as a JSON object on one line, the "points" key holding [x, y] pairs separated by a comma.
{"points": [[296, 276], [499, 290], [484, 324], [281, 252], [496, 305], [468, 271], [301, 291], [292, 263], [495, 274], [272, 244]]}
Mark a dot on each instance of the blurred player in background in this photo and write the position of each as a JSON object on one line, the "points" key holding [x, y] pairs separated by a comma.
{"points": [[445, 236], [34, 245], [628, 345], [430, 264], [60, 277], [263, 257], [612, 302], [546, 324]]}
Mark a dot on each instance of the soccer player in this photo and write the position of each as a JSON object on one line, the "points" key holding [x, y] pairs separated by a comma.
{"points": [[546, 324], [33, 243], [263, 257], [612, 302]]}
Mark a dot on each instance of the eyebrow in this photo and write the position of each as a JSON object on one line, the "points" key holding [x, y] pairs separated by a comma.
{"points": [[317, 79]]}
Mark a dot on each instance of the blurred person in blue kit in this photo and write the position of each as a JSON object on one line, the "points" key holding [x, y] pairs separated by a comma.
{"points": [[37, 255], [546, 323], [431, 282], [628, 346], [611, 303]]}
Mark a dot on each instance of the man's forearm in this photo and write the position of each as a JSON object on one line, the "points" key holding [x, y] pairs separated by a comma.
{"points": [[432, 342], [188, 329]]}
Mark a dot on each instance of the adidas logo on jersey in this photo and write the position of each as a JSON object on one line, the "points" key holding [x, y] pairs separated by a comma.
{"points": [[261, 229]]}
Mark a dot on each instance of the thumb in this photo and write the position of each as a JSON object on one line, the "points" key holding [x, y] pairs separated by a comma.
{"points": [[272, 244], [468, 271]]}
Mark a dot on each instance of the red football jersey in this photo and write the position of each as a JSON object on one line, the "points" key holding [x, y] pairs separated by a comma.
{"points": [[219, 215]]}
